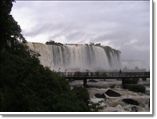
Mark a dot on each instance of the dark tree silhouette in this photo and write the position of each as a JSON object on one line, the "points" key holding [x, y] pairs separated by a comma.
{"points": [[25, 85], [10, 31]]}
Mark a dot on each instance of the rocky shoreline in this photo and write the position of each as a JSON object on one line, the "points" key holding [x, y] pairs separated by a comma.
{"points": [[109, 96]]}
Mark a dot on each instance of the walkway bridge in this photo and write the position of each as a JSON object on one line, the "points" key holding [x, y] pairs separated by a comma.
{"points": [[104, 75]]}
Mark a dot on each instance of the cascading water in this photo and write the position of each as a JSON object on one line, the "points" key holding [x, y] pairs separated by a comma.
{"points": [[77, 57]]}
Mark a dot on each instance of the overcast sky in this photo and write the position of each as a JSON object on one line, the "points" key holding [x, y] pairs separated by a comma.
{"points": [[124, 25]]}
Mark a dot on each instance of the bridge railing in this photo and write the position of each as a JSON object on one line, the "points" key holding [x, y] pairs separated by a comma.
{"points": [[104, 74]]}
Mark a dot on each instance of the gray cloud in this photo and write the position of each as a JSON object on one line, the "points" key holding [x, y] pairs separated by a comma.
{"points": [[121, 24]]}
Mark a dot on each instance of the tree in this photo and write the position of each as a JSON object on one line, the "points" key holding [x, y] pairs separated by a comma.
{"points": [[25, 85], [10, 31]]}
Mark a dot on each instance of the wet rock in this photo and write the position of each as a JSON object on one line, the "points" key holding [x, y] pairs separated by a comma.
{"points": [[97, 95], [92, 80], [130, 101], [134, 109], [112, 93]]}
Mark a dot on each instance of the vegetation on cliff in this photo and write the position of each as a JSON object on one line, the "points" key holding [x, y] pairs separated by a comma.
{"points": [[25, 85]]}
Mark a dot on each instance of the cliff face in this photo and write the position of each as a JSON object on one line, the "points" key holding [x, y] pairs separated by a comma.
{"points": [[77, 57]]}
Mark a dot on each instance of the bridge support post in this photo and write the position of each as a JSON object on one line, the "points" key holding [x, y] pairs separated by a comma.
{"points": [[85, 82]]}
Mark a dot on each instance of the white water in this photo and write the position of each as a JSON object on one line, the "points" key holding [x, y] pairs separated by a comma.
{"points": [[77, 57], [115, 104]]}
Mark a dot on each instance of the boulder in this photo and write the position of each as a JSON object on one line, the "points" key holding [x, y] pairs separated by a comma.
{"points": [[112, 93], [92, 80], [134, 109], [97, 95], [130, 101]]}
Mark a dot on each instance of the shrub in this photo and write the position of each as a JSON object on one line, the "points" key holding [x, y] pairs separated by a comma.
{"points": [[28, 86], [130, 81], [135, 87], [81, 93], [95, 107]]}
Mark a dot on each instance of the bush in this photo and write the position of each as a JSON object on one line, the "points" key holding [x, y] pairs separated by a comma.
{"points": [[135, 87], [27, 86], [95, 107], [81, 93], [130, 81]]}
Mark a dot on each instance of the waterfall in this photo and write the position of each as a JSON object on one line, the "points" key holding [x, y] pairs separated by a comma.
{"points": [[77, 57]]}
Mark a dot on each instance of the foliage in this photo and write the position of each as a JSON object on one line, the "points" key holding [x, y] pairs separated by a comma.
{"points": [[130, 81], [135, 87], [25, 85], [131, 84], [53, 43], [10, 31], [81, 94], [28, 86], [95, 107]]}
